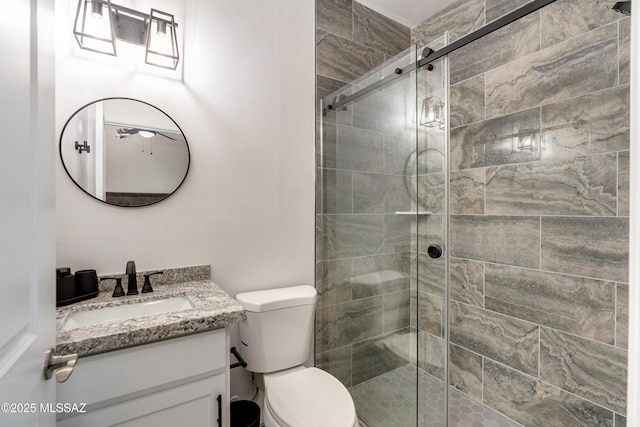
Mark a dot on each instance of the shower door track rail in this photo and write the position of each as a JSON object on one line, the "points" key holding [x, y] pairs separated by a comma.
{"points": [[433, 56]]}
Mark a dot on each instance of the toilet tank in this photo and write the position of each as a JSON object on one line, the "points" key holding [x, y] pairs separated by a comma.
{"points": [[279, 327]]}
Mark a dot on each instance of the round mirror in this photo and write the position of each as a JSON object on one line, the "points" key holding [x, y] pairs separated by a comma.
{"points": [[124, 152]]}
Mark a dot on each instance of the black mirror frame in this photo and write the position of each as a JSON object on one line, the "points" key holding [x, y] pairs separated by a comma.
{"points": [[104, 201]]}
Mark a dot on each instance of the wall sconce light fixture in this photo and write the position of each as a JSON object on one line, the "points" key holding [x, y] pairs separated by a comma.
{"points": [[529, 140], [432, 113], [99, 23]]}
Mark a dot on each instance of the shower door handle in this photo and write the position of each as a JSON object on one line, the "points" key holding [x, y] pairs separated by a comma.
{"points": [[434, 251]]}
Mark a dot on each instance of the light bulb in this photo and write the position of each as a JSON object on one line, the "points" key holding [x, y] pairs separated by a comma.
{"points": [[146, 134], [96, 9], [161, 28]]}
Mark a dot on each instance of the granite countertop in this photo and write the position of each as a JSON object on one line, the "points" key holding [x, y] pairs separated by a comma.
{"points": [[212, 308]]}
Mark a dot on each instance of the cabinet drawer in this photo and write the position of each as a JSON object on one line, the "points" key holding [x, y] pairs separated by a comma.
{"points": [[110, 375], [192, 404]]}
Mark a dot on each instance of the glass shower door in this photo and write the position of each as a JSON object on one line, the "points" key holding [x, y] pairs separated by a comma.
{"points": [[367, 272], [430, 290]]}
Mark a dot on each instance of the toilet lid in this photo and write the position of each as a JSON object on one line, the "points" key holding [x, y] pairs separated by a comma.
{"points": [[310, 398]]}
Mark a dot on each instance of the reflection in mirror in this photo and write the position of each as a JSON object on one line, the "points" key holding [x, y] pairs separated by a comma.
{"points": [[124, 152]]}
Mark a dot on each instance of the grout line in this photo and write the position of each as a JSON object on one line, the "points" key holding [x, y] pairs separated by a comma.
{"points": [[615, 316], [539, 349], [540, 246], [618, 183], [482, 379]]}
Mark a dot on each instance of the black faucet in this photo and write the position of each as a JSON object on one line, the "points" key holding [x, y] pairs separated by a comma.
{"points": [[133, 283], [147, 284], [117, 291]]}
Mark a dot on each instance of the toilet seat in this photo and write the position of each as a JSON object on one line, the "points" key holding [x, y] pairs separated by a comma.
{"points": [[309, 398]]}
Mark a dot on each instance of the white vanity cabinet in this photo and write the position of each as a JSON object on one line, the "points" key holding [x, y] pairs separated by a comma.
{"points": [[182, 381]]}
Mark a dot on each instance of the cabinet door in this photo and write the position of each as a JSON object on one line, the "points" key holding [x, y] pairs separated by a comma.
{"points": [[194, 404]]}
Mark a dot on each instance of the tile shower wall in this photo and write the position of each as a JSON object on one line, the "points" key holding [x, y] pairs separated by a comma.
{"points": [[362, 263], [539, 234]]}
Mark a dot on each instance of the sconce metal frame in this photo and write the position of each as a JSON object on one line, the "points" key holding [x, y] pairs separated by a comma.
{"points": [[169, 26], [130, 26], [81, 34]]}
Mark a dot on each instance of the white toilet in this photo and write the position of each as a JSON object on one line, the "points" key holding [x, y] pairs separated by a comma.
{"points": [[276, 339]]}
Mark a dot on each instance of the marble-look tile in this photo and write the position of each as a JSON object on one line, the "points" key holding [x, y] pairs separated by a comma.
{"points": [[495, 141], [319, 237], [459, 18], [497, 8], [378, 193], [346, 236], [428, 230], [594, 123], [431, 193], [342, 59], [359, 150], [428, 275], [319, 200], [326, 335], [535, 403], [429, 157], [466, 281], [585, 307], [510, 341], [359, 320], [342, 4], [590, 247], [574, 67], [431, 82], [403, 87], [624, 183], [505, 45], [430, 314], [466, 102], [467, 191], [398, 236], [325, 86], [622, 315], [565, 19], [624, 50], [503, 239], [396, 311], [376, 31], [380, 274], [465, 371], [327, 146], [382, 354], [336, 191], [334, 19], [621, 421], [581, 186], [381, 112], [344, 365], [397, 152], [594, 371], [332, 281], [431, 354]]}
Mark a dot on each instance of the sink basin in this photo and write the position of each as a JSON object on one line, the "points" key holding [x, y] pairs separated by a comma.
{"points": [[126, 311]]}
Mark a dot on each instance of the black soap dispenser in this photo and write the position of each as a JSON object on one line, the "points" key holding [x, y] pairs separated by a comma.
{"points": [[65, 286]]}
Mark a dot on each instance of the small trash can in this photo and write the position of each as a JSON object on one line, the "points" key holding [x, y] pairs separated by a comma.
{"points": [[245, 413]]}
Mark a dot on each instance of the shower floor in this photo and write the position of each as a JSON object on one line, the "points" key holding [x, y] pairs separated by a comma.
{"points": [[389, 401]]}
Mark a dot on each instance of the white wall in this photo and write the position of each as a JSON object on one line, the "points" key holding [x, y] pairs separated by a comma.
{"points": [[245, 101]]}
